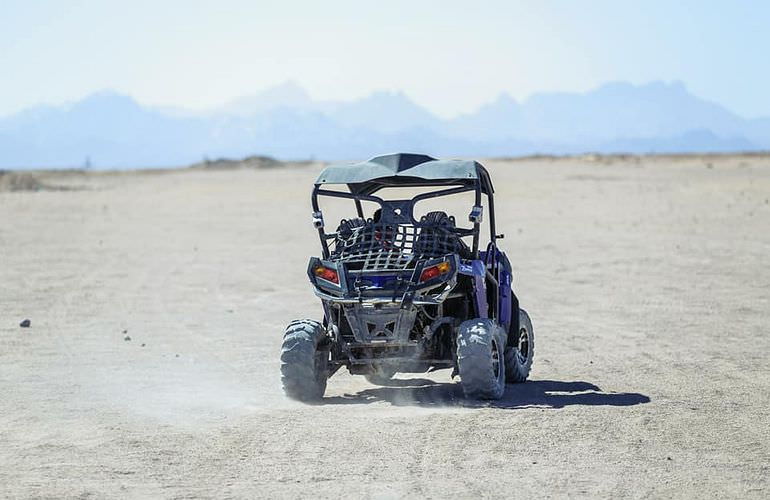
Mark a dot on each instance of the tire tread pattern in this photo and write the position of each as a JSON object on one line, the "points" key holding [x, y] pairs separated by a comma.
{"points": [[299, 374], [474, 359]]}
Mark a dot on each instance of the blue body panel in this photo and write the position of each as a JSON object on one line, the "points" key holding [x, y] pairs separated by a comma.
{"points": [[505, 298], [477, 270]]}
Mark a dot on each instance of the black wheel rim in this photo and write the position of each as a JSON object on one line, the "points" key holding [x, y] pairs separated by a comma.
{"points": [[522, 352], [496, 365]]}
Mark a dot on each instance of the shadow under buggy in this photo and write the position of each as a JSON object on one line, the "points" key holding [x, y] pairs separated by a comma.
{"points": [[407, 295]]}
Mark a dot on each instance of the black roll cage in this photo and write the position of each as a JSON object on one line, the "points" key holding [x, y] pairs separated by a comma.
{"points": [[479, 185]]}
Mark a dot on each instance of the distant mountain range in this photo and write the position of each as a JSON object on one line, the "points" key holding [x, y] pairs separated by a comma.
{"points": [[108, 130]]}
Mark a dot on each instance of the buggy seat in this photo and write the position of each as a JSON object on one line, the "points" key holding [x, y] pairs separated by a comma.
{"points": [[371, 245]]}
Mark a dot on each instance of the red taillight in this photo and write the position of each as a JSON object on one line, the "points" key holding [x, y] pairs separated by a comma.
{"points": [[327, 274], [429, 274], [435, 271]]}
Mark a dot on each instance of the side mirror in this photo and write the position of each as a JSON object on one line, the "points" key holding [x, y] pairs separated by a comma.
{"points": [[476, 214], [318, 220]]}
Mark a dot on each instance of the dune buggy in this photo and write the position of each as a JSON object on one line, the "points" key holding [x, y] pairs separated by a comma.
{"points": [[409, 295]]}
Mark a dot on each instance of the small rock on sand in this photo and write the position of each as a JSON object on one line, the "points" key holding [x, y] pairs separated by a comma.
{"points": [[126, 338]]}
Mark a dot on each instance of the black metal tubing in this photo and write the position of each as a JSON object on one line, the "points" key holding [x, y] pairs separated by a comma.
{"points": [[481, 185], [371, 187], [476, 225], [377, 199], [321, 233], [318, 191], [443, 192], [314, 199], [342, 194], [491, 202]]}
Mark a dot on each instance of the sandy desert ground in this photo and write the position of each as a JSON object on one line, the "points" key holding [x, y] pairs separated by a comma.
{"points": [[647, 279]]}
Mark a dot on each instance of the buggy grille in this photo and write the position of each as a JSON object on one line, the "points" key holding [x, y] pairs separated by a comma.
{"points": [[383, 247]]}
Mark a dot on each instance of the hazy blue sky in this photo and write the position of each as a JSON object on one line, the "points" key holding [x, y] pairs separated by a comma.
{"points": [[450, 56]]}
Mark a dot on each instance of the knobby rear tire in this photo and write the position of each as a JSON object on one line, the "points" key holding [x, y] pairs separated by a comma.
{"points": [[519, 355], [480, 359], [304, 364]]}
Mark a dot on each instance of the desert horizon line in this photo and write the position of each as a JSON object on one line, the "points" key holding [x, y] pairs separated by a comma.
{"points": [[301, 92], [264, 162]]}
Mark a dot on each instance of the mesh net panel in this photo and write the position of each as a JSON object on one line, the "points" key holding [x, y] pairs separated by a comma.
{"points": [[393, 246]]}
